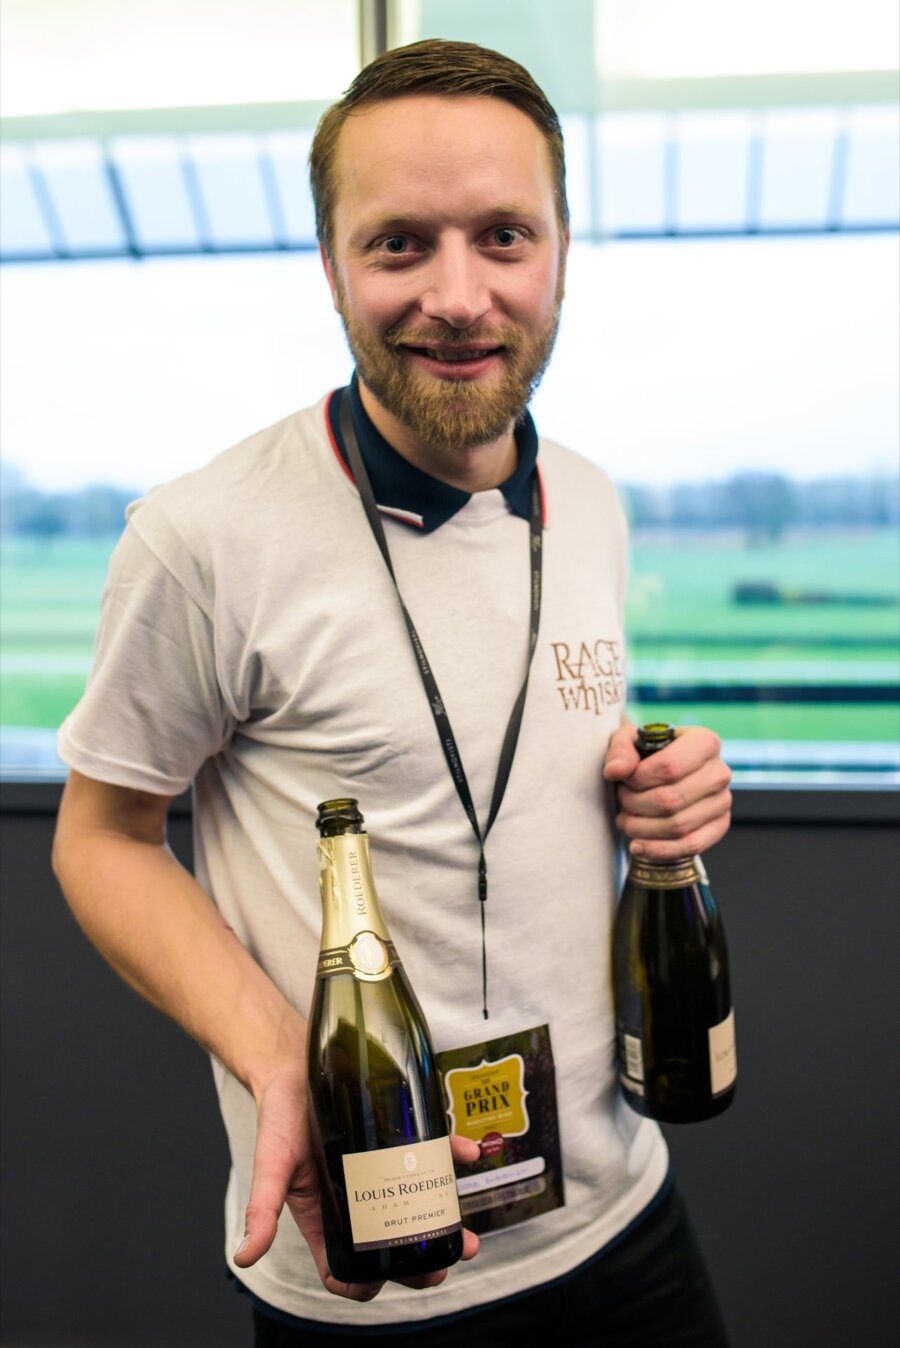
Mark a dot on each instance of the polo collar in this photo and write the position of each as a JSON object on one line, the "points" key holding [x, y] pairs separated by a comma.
{"points": [[407, 493]]}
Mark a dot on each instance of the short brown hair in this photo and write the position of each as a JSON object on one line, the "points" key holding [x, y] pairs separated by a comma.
{"points": [[434, 66]]}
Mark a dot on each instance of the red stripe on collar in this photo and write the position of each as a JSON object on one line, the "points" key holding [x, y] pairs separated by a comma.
{"points": [[404, 516], [544, 512], [331, 440]]}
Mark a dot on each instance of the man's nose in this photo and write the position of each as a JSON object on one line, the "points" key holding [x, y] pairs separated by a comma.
{"points": [[456, 291]]}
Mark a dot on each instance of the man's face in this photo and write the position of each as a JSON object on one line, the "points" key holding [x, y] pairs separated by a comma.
{"points": [[448, 264]]}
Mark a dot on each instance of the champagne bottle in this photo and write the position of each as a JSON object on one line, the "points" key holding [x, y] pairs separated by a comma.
{"points": [[674, 1017], [379, 1127]]}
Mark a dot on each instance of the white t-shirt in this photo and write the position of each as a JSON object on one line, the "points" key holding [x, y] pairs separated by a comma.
{"points": [[251, 643]]}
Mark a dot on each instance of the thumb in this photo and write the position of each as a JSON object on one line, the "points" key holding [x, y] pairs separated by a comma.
{"points": [[272, 1173], [621, 754]]}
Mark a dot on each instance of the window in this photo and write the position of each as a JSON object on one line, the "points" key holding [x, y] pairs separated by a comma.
{"points": [[728, 350]]}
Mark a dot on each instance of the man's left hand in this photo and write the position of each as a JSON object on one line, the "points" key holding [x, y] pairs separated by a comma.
{"points": [[675, 803]]}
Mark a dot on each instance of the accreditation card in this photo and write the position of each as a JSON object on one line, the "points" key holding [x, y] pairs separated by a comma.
{"points": [[501, 1092]]}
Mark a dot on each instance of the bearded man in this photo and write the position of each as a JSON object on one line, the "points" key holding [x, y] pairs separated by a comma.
{"points": [[255, 647]]}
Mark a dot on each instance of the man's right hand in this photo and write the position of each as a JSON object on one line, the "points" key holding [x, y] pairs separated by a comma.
{"points": [[162, 934], [284, 1172]]}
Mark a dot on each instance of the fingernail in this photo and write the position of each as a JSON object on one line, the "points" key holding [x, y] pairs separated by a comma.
{"points": [[241, 1246], [637, 849]]}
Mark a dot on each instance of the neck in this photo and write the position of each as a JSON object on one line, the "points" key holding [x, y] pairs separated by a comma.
{"points": [[471, 469]]}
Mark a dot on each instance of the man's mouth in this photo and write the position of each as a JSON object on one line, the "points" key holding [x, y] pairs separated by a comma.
{"points": [[454, 355]]}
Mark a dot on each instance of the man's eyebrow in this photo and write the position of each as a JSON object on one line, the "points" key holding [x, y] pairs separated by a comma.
{"points": [[399, 221], [383, 224], [513, 208]]}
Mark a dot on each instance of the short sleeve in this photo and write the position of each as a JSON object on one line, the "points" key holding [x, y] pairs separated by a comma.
{"points": [[153, 709]]}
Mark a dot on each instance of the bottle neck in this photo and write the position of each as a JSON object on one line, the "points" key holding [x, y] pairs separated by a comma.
{"points": [[349, 898], [653, 736], [667, 874]]}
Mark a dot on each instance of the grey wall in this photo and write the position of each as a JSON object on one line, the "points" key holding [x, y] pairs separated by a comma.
{"points": [[114, 1159]]}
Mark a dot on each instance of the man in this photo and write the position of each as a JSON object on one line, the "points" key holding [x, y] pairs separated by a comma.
{"points": [[253, 643]]}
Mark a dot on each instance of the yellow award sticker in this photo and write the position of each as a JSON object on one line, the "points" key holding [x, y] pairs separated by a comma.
{"points": [[489, 1098]]}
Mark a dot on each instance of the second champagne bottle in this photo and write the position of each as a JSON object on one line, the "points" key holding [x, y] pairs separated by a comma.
{"points": [[674, 1014]]}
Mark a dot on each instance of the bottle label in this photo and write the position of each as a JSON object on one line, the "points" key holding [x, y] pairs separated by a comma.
{"points": [[634, 1058], [367, 957], [401, 1195], [722, 1056]]}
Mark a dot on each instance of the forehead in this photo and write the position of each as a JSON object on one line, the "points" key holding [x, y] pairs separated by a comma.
{"points": [[421, 152]]}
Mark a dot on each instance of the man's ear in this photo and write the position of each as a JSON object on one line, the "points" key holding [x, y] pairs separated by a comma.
{"points": [[329, 276], [564, 257]]}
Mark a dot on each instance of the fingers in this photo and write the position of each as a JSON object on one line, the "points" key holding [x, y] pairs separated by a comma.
{"points": [[673, 798], [273, 1168], [465, 1149], [692, 748], [303, 1201], [677, 802], [621, 754], [352, 1291], [677, 827], [281, 1157], [365, 1291], [465, 1152], [471, 1245], [691, 843], [284, 1173]]}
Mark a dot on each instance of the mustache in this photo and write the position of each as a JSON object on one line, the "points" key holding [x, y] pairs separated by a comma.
{"points": [[447, 336]]}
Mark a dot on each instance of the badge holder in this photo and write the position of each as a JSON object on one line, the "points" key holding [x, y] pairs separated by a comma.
{"points": [[501, 1093]]}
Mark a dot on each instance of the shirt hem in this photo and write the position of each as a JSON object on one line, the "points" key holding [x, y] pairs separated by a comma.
{"points": [[452, 1317], [479, 1290]]}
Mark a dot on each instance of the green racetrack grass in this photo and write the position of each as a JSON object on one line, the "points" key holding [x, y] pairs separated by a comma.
{"points": [[680, 589]]}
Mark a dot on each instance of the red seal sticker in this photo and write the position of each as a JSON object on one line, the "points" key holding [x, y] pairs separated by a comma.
{"points": [[491, 1143]]}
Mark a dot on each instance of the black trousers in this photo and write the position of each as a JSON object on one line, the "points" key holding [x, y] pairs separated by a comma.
{"points": [[649, 1290]]}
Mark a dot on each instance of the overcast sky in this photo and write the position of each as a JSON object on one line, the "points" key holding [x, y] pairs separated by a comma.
{"points": [[676, 361]]}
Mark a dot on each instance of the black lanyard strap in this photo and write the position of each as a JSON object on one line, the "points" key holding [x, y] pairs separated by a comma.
{"points": [[435, 701]]}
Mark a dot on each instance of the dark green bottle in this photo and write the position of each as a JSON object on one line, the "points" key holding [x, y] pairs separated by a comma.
{"points": [[675, 1045], [377, 1117]]}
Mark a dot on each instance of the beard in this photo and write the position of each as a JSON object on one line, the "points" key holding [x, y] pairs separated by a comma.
{"points": [[451, 414]]}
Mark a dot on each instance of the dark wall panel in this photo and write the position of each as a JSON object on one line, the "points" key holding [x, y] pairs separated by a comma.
{"points": [[114, 1158], [795, 1188]]}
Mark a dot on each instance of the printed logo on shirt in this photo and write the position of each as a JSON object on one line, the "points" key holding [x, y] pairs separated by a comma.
{"points": [[590, 675]]}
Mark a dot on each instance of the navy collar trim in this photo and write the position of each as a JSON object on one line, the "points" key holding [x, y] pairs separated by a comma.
{"points": [[406, 493]]}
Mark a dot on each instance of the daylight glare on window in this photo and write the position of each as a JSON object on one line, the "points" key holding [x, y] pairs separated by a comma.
{"points": [[61, 56], [677, 39], [729, 347]]}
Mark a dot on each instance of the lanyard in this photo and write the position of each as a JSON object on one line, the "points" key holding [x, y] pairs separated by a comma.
{"points": [[435, 701]]}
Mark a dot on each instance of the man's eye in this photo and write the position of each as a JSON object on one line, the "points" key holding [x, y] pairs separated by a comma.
{"points": [[395, 244], [506, 236]]}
